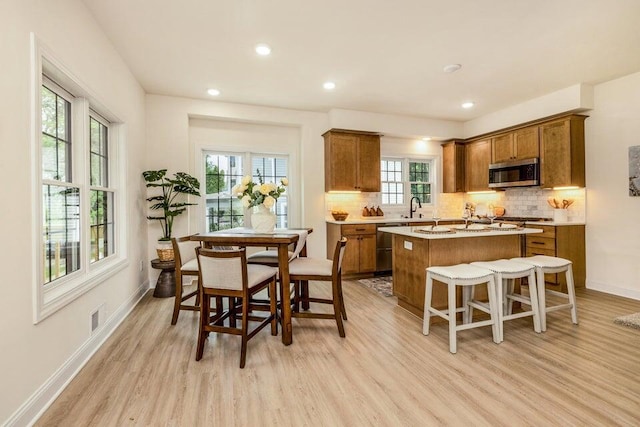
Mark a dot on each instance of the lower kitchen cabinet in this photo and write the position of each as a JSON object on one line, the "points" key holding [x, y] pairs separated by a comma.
{"points": [[564, 241], [360, 252]]}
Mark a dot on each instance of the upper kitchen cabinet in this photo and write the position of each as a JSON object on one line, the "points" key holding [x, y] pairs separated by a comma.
{"points": [[351, 161], [562, 152], [453, 167], [516, 145], [477, 160]]}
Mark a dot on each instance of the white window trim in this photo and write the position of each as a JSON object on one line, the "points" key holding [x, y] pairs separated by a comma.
{"points": [[63, 291], [406, 185], [293, 189]]}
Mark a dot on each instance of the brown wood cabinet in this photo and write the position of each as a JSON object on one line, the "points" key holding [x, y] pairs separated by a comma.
{"points": [[453, 167], [565, 241], [562, 153], [517, 145], [351, 161], [360, 252], [477, 160]]}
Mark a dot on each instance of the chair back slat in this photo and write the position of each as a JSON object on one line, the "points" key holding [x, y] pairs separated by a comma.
{"points": [[339, 255], [222, 269], [184, 249]]}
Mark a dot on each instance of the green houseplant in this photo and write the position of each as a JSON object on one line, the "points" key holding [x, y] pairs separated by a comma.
{"points": [[171, 201]]}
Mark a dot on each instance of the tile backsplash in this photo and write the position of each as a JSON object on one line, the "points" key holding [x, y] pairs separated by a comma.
{"points": [[531, 202]]}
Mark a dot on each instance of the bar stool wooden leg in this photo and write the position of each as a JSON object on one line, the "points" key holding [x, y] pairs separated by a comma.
{"points": [[452, 317], [571, 291], [427, 304]]}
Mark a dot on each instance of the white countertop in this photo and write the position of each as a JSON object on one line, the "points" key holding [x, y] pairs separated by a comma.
{"points": [[411, 232], [385, 220]]}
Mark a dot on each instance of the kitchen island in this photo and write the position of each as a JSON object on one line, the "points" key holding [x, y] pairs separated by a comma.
{"points": [[415, 249]]}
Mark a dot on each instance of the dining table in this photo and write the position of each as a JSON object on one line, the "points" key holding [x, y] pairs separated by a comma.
{"points": [[280, 239]]}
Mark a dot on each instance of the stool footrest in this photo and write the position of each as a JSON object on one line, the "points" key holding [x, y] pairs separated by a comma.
{"points": [[475, 324]]}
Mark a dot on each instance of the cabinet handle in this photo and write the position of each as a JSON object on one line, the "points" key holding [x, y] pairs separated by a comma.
{"points": [[361, 229], [538, 243]]}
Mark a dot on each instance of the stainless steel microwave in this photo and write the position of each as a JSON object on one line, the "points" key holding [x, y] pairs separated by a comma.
{"points": [[518, 173]]}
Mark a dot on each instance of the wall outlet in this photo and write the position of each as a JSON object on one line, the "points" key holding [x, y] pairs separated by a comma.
{"points": [[140, 266]]}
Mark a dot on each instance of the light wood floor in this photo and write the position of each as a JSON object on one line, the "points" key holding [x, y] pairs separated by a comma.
{"points": [[384, 373]]}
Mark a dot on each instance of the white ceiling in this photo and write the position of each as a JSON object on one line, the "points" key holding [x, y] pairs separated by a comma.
{"points": [[385, 56]]}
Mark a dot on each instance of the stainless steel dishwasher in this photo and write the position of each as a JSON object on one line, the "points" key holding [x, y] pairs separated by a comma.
{"points": [[383, 247]]}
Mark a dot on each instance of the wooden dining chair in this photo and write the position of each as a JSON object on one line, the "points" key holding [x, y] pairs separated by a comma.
{"points": [[303, 271], [225, 273], [184, 255]]}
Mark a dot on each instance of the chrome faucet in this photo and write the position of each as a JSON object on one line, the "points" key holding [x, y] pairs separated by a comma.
{"points": [[411, 208]]}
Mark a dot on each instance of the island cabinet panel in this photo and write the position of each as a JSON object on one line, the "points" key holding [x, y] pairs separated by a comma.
{"points": [[565, 241], [411, 257], [477, 160]]}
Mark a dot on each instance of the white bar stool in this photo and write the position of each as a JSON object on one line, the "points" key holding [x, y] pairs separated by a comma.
{"points": [[548, 264], [467, 276], [506, 271]]}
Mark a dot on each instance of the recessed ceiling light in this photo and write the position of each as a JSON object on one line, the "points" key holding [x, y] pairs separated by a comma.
{"points": [[213, 92], [467, 104], [263, 49], [451, 68], [329, 85], [426, 138]]}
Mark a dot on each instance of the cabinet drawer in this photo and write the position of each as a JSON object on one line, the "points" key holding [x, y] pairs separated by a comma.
{"points": [[547, 231], [541, 243], [538, 251], [355, 229]]}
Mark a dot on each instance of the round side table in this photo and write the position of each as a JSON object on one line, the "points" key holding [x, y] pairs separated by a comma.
{"points": [[166, 284]]}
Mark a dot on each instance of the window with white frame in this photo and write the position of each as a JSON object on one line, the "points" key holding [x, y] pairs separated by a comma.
{"points": [[79, 201], [225, 170], [403, 179]]}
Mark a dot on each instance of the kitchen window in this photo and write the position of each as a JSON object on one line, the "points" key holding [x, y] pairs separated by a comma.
{"points": [[78, 206], [224, 170], [402, 179]]}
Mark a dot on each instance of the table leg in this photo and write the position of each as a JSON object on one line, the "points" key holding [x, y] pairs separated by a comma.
{"points": [[285, 301]]}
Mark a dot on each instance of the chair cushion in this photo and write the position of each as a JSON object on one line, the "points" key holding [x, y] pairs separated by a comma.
{"points": [[257, 273], [544, 261], [504, 266], [461, 271], [269, 256], [304, 266], [190, 267]]}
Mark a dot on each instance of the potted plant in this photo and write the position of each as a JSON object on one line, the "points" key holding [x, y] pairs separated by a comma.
{"points": [[171, 203]]}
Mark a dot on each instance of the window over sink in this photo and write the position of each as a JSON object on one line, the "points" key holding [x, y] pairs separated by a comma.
{"points": [[404, 178]]}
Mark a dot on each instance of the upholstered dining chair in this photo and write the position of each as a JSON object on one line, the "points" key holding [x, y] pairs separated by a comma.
{"points": [[225, 273], [303, 270], [186, 265]]}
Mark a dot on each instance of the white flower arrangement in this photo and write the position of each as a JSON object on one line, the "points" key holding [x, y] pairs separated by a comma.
{"points": [[261, 193]]}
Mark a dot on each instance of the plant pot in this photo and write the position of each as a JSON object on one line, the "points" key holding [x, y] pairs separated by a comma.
{"points": [[165, 250], [263, 220]]}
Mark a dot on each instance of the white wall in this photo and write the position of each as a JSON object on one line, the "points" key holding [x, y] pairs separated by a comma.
{"points": [[576, 98], [170, 147], [37, 359], [613, 227]]}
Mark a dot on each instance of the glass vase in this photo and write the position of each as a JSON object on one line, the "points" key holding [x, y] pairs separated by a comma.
{"points": [[263, 220]]}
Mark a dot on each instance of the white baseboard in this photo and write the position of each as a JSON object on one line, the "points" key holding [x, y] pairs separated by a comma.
{"points": [[39, 402], [614, 290]]}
